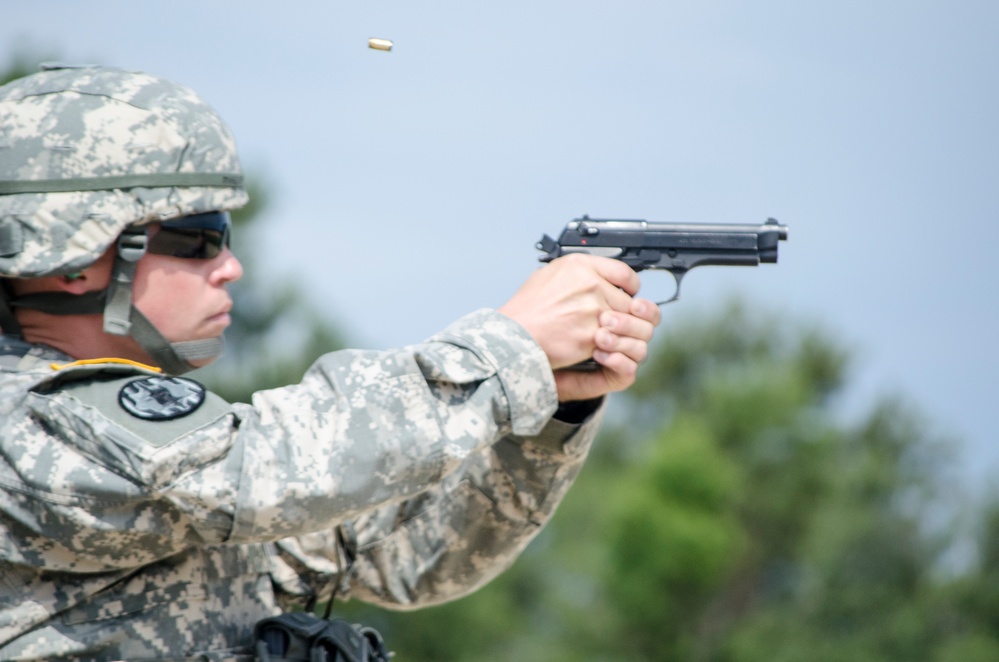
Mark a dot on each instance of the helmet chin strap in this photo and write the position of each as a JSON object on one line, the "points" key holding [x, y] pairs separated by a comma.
{"points": [[173, 358]]}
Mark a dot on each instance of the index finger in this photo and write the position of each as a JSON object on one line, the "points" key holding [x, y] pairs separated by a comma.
{"points": [[619, 274]]}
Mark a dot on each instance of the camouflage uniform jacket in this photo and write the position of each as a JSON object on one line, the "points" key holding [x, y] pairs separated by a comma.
{"points": [[430, 467]]}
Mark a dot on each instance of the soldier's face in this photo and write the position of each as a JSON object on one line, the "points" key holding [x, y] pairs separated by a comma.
{"points": [[186, 298]]}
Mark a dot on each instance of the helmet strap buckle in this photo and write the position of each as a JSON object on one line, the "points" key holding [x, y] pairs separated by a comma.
{"points": [[118, 304], [132, 244]]}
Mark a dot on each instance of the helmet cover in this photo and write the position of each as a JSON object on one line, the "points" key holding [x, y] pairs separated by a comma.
{"points": [[87, 152]]}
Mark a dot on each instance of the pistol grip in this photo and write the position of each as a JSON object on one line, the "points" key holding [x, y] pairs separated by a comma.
{"points": [[588, 365]]}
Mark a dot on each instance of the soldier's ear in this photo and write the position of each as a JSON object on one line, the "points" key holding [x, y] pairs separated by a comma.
{"points": [[75, 283], [93, 277]]}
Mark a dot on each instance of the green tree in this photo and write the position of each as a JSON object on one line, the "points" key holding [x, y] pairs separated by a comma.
{"points": [[968, 608], [826, 556]]}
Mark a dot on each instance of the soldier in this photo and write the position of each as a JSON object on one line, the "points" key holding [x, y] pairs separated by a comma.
{"points": [[142, 517]]}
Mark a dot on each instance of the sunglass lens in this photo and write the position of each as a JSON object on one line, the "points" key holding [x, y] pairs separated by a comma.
{"points": [[201, 236]]}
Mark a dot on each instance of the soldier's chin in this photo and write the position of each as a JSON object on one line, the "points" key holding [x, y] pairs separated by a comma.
{"points": [[200, 352]]}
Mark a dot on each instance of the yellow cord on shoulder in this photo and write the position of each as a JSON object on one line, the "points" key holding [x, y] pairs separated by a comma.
{"points": [[56, 366]]}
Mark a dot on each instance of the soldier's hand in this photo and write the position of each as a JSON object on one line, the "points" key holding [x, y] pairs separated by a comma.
{"points": [[580, 307], [621, 345]]}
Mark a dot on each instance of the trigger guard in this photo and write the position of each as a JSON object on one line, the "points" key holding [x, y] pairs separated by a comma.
{"points": [[677, 277]]}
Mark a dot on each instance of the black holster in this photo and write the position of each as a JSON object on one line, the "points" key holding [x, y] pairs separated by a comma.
{"points": [[304, 637]]}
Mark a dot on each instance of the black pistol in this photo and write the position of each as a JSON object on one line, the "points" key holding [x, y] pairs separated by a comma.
{"points": [[673, 247]]}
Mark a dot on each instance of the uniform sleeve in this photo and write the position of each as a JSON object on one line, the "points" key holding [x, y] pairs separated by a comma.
{"points": [[463, 464], [460, 535], [450, 539], [370, 429]]}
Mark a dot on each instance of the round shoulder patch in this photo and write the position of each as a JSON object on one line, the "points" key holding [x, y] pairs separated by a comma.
{"points": [[161, 398]]}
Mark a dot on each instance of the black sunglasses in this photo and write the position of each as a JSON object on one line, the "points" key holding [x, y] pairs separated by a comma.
{"points": [[198, 236]]}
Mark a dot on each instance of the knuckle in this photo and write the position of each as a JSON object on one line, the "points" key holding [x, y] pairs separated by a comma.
{"points": [[642, 353]]}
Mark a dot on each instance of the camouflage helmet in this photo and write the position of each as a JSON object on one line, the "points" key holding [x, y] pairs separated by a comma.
{"points": [[87, 151]]}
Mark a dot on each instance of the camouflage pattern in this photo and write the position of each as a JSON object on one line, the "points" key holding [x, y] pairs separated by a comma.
{"points": [[96, 122], [432, 466]]}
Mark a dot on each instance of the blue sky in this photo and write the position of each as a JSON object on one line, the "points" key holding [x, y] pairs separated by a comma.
{"points": [[409, 187]]}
